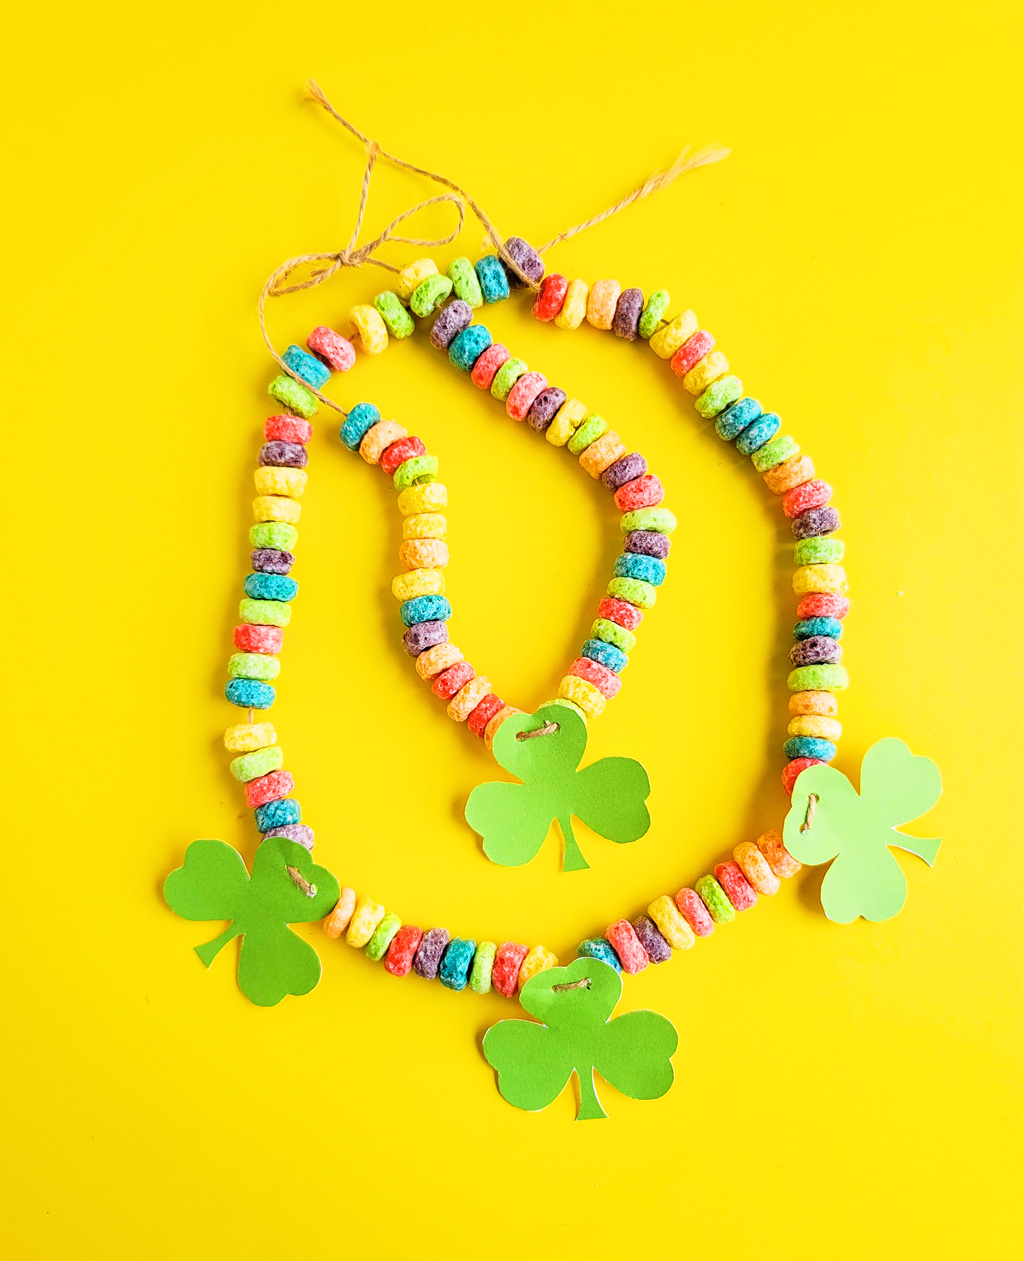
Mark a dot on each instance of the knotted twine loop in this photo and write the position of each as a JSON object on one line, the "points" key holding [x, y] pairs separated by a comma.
{"points": [[326, 265]]}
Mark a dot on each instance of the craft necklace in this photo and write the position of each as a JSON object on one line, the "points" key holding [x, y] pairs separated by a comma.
{"points": [[543, 748]]}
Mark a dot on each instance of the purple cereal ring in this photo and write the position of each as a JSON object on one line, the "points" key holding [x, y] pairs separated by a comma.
{"points": [[815, 522], [527, 260], [818, 650], [647, 543], [545, 405], [624, 470], [284, 454], [300, 832], [449, 324], [423, 635], [651, 939], [268, 560], [628, 310], [427, 958]]}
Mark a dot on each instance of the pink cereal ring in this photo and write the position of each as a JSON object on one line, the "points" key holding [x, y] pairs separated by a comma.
{"points": [[488, 364], [641, 492], [336, 351], [606, 681], [737, 888], [793, 769], [287, 429], [626, 944], [621, 612], [505, 969], [403, 449], [693, 910], [521, 396], [268, 788], [691, 352], [802, 498], [449, 681], [551, 297], [403, 946]]}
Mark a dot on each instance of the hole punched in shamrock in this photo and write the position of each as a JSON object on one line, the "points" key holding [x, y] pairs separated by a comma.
{"points": [[286, 887], [829, 822], [544, 750], [535, 1061]]}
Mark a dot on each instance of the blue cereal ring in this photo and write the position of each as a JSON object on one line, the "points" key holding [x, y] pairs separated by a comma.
{"points": [[598, 948], [304, 365], [456, 962], [359, 421], [645, 568], [809, 746], [492, 277], [735, 419], [812, 626], [756, 435], [270, 587], [278, 814], [605, 654], [468, 346], [249, 694], [425, 608]]}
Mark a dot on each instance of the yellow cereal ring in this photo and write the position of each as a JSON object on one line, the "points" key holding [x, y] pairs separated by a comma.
{"points": [[538, 960], [416, 583], [276, 508], [582, 693], [424, 554], [567, 420], [271, 480], [755, 867], [815, 725], [366, 323], [411, 277], [604, 296], [705, 373], [429, 664], [823, 703], [338, 920], [468, 697], [602, 453], [425, 525], [666, 341], [491, 730], [378, 438], [427, 497], [365, 918], [827, 579], [246, 737], [676, 931], [574, 308]]}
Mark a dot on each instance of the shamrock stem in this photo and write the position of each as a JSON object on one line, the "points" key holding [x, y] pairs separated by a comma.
{"points": [[590, 1106], [572, 857], [209, 950]]}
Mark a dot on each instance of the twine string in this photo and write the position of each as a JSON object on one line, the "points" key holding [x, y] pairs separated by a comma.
{"points": [[812, 805], [546, 730], [299, 879], [582, 984]]}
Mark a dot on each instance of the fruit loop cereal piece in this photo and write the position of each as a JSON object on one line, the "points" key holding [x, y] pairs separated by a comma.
{"points": [[818, 678], [670, 923], [491, 730], [659, 520], [307, 367], [468, 346], [287, 429], [627, 946], [415, 470], [601, 304], [486, 367], [277, 814], [465, 283], [411, 277], [606, 682], [606, 655], [358, 423], [377, 439], [398, 320], [602, 453], [626, 321], [526, 259], [436, 659], [781, 448], [523, 393], [621, 612], [550, 298], [598, 948], [455, 317], [736, 418], [493, 279], [425, 608], [823, 703], [280, 481], [416, 583], [448, 682], [245, 737], [289, 393], [718, 396], [484, 712], [297, 832], [253, 665], [705, 373], [691, 352], [336, 351], [822, 579], [507, 962], [635, 590], [506, 377], [365, 918], [809, 747], [643, 568], [715, 899], [655, 946], [468, 697], [625, 469], [249, 638], [480, 972], [257, 763], [574, 308], [429, 295], [757, 433], [366, 324], [668, 340], [545, 408], [283, 454], [265, 612], [249, 694], [612, 633], [267, 788], [815, 522], [823, 604], [814, 494], [650, 320], [261, 586], [789, 474], [453, 970], [425, 525], [591, 429], [427, 958], [816, 650], [383, 935], [737, 888], [582, 693], [644, 492], [538, 960], [815, 725], [818, 551], [423, 554], [401, 450], [403, 947], [647, 543], [755, 868], [567, 420], [423, 635], [338, 920], [792, 771]]}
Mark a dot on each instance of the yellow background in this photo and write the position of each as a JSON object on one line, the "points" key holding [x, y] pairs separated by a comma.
{"points": [[840, 1091]]}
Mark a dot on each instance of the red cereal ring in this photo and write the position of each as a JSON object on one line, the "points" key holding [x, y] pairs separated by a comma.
{"points": [[488, 364], [252, 638], [336, 351], [820, 604], [641, 492], [691, 352], [449, 681], [693, 910], [507, 962], [484, 712], [268, 788], [287, 429], [403, 947], [810, 495], [623, 940], [606, 681], [552, 294], [522, 394], [738, 889], [793, 769], [621, 612], [403, 449]]}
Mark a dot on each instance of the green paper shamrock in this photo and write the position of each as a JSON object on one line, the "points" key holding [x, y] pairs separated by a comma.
{"points": [[513, 819], [212, 884], [856, 831], [534, 1062]]}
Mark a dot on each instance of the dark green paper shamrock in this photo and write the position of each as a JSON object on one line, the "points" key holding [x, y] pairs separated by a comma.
{"points": [[865, 878], [212, 883], [609, 795], [534, 1062]]}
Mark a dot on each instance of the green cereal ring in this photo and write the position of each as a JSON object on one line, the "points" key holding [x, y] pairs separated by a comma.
{"points": [[289, 393], [818, 551], [650, 320], [774, 452], [634, 590], [613, 633], [718, 396], [265, 612], [714, 898], [279, 535], [462, 274], [377, 946], [400, 323], [483, 960], [259, 762], [429, 295], [591, 429], [253, 665], [506, 376], [660, 520], [414, 471], [818, 678]]}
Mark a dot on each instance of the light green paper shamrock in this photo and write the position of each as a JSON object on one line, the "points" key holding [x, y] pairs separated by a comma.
{"points": [[865, 878], [534, 1062], [212, 883], [609, 795]]}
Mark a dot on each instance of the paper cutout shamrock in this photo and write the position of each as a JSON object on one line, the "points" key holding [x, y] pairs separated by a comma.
{"points": [[212, 883], [856, 831], [534, 1062], [514, 819]]}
